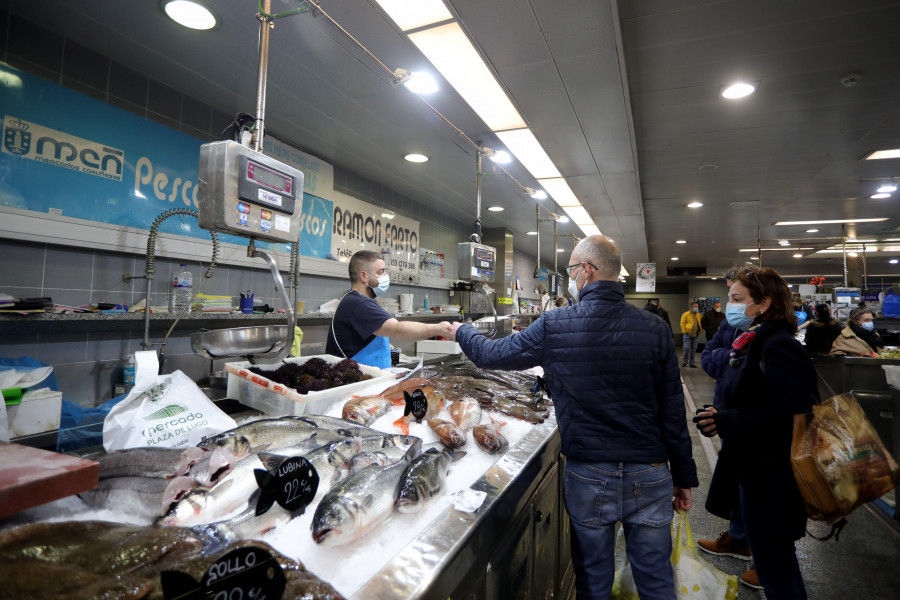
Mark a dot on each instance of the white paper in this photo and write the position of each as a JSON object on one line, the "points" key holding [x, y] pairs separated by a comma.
{"points": [[146, 368]]}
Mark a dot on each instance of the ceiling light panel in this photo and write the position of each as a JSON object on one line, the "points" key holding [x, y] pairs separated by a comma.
{"points": [[579, 215], [453, 55], [879, 154], [830, 222], [560, 191], [411, 14], [526, 148], [593, 230]]}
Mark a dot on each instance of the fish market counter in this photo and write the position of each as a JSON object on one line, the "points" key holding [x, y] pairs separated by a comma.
{"points": [[514, 546]]}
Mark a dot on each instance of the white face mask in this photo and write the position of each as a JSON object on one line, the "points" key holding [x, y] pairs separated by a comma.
{"points": [[573, 286], [384, 282]]}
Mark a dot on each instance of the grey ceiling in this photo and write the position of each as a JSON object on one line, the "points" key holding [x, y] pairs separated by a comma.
{"points": [[623, 96]]}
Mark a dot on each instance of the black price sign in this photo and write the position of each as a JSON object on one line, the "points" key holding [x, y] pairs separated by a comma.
{"points": [[416, 404], [246, 573], [292, 485]]}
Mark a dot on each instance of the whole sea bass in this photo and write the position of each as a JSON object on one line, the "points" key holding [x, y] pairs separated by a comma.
{"points": [[145, 497], [424, 478], [261, 435], [356, 505]]}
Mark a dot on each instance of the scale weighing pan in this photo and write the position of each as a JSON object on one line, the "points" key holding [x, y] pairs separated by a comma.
{"points": [[257, 342]]}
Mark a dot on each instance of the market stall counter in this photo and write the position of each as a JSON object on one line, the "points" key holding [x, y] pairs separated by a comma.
{"points": [[496, 528]]}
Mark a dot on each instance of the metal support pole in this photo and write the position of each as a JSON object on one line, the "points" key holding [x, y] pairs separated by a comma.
{"points": [[537, 213], [844, 252], [265, 24], [555, 246]]}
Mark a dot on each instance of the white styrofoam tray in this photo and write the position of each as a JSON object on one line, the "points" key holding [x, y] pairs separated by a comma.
{"points": [[277, 400], [38, 412], [437, 347]]}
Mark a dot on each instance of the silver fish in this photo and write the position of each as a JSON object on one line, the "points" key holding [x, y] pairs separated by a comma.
{"points": [[356, 505], [261, 435], [149, 462], [423, 479], [386, 455], [337, 424], [465, 412], [145, 497], [245, 525]]}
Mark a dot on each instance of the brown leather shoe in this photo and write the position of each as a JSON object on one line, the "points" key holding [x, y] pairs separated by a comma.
{"points": [[751, 578], [725, 546]]}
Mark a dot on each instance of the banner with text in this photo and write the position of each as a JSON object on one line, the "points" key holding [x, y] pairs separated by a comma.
{"points": [[358, 225], [66, 154]]}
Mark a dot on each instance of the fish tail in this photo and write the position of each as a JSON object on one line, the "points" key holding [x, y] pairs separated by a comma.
{"points": [[403, 425]]}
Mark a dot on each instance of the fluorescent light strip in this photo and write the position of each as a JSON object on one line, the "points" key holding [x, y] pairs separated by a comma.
{"points": [[411, 14], [453, 55], [579, 215], [526, 148], [560, 191], [785, 249], [594, 230], [879, 154], [830, 222]]}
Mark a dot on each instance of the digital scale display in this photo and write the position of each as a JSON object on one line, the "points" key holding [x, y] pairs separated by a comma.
{"points": [[269, 178], [483, 254]]}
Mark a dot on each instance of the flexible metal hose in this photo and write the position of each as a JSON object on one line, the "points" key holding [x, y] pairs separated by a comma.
{"points": [[150, 268]]}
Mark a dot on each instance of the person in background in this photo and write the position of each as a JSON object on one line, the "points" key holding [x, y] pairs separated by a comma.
{"points": [[803, 312], [653, 306], [715, 361], [561, 301], [360, 328], [690, 331], [769, 380], [710, 322], [613, 374], [822, 332], [858, 338]]}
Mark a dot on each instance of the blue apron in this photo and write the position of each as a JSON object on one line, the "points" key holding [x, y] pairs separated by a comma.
{"points": [[376, 353]]}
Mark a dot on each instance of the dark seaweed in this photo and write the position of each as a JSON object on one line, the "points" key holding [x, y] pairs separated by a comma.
{"points": [[314, 375]]}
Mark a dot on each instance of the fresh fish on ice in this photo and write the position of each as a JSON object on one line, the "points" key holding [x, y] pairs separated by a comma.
{"points": [[449, 433], [465, 412], [366, 409], [424, 478], [145, 497]]}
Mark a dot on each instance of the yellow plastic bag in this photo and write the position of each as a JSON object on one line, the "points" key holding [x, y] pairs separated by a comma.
{"points": [[298, 337], [695, 578]]}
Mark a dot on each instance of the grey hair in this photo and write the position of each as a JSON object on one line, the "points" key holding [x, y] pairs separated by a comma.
{"points": [[732, 273], [856, 313], [602, 252]]}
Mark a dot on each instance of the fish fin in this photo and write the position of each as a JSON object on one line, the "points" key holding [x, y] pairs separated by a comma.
{"points": [[264, 501], [270, 461], [497, 421], [397, 400], [403, 425], [175, 584], [263, 477], [455, 455]]}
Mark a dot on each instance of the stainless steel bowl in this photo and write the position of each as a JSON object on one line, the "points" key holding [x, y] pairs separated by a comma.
{"points": [[260, 342]]}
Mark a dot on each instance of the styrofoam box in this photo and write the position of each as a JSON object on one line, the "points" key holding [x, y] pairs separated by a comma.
{"points": [[38, 412], [437, 347], [892, 373], [278, 400]]}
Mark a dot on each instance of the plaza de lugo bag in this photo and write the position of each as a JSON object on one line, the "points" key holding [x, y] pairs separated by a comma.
{"points": [[839, 462]]}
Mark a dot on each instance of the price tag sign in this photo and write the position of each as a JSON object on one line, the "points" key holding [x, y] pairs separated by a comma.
{"points": [[416, 404], [246, 573], [292, 485]]}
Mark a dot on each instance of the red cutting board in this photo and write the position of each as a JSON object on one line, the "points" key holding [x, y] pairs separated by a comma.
{"points": [[30, 477]]}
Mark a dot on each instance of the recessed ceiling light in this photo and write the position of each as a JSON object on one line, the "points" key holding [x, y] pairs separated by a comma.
{"points": [[893, 261], [853, 254], [708, 167], [190, 14], [887, 188], [416, 158], [790, 285], [830, 222], [695, 205], [738, 90], [674, 258], [501, 156], [879, 196], [421, 83], [754, 258], [879, 154], [562, 219], [681, 241], [495, 208], [798, 256], [784, 243], [812, 231], [713, 278], [531, 233], [539, 195], [560, 249], [412, 14]]}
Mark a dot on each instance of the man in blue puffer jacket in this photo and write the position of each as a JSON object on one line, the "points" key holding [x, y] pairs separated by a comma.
{"points": [[613, 375]]}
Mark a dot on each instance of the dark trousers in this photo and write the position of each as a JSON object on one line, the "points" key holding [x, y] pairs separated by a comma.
{"points": [[774, 555]]}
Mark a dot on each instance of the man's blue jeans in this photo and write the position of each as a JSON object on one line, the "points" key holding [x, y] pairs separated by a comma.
{"points": [[598, 495], [690, 347]]}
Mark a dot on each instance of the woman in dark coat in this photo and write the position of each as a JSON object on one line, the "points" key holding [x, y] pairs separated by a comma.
{"points": [[822, 332], [769, 380]]}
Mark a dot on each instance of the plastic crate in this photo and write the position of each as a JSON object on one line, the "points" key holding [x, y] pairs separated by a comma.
{"points": [[277, 400]]}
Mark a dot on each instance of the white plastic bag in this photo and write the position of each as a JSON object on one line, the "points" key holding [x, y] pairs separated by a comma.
{"points": [[695, 578], [623, 583], [162, 410]]}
